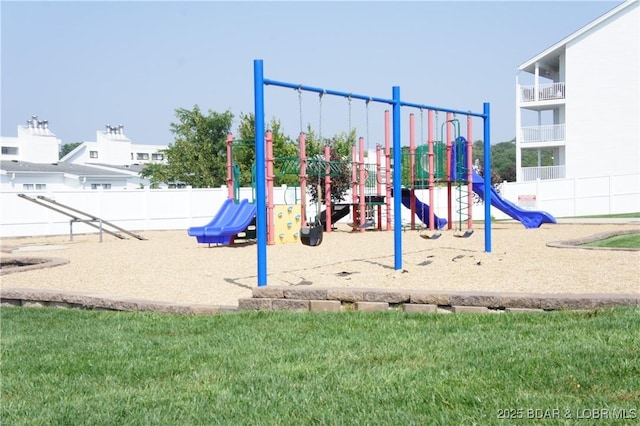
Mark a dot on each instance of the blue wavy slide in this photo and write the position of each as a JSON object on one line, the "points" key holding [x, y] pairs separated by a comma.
{"points": [[422, 210], [529, 218], [230, 220]]}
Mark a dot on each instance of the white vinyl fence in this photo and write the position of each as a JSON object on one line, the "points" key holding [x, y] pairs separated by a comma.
{"points": [[176, 209], [579, 197]]}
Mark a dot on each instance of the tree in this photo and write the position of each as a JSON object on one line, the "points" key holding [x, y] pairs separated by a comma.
{"points": [[68, 147], [478, 159], [340, 157], [283, 146], [156, 173], [198, 156], [503, 158], [286, 171], [530, 157]]}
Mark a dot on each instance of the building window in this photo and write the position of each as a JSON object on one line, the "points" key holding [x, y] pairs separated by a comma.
{"points": [[158, 157], [93, 154], [36, 186], [142, 156], [100, 185], [132, 155], [10, 150], [177, 185]]}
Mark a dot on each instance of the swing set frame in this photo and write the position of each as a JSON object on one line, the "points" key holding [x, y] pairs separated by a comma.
{"points": [[396, 103]]}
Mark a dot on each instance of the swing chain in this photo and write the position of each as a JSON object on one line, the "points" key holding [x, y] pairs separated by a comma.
{"points": [[367, 121], [421, 125], [350, 127], [319, 161], [300, 105], [320, 114]]}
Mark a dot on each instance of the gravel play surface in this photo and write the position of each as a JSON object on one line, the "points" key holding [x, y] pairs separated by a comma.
{"points": [[172, 267]]}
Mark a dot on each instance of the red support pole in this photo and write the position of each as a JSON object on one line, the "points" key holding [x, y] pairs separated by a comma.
{"points": [[387, 165], [361, 185], [379, 182], [469, 171], [269, 174], [230, 166], [327, 187], [430, 143], [354, 184], [449, 165], [302, 143]]}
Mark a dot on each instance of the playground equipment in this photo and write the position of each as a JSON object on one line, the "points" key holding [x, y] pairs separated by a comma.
{"points": [[236, 218], [423, 212], [287, 223], [233, 168], [362, 175], [529, 218], [312, 235], [364, 179], [309, 235], [442, 161], [230, 220], [396, 102], [455, 165], [89, 219]]}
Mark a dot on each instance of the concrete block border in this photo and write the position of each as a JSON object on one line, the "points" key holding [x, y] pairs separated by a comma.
{"points": [[32, 263], [330, 300], [580, 242], [369, 299], [13, 297]]}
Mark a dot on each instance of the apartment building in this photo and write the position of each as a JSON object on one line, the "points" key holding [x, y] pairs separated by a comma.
{"points": [[580, 99], [30, 160]]}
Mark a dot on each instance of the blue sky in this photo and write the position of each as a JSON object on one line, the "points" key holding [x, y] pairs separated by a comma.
{"points": [[82, 65]]}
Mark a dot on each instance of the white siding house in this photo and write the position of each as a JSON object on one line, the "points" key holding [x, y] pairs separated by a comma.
{"points": [[113, 147], [29, 162], [35, 142], [581, 98]]}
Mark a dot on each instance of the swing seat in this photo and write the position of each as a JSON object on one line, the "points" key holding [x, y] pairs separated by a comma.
{"points": [[466, 234], [430, 236], [311, 235], [368, 224]]}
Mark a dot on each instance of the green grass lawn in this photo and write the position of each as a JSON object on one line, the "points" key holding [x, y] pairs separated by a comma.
{"points": [[87, 367], [617, 215], [618, 241]]}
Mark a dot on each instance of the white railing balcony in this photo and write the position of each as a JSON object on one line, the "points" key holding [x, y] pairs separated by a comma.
{"points": [[542, 92], [542, 173], [547, 133]]}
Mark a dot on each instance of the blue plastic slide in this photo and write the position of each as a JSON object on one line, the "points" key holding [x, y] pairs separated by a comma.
{"points": [[230, 220], [422, 210], [529, 218]]}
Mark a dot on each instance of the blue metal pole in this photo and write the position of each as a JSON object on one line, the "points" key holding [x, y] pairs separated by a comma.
{"points": [[397, 180], [487, 178], [261, 192]]}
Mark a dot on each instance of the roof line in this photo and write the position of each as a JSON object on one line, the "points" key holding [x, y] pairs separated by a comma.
{"points": [[577, 33]]}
